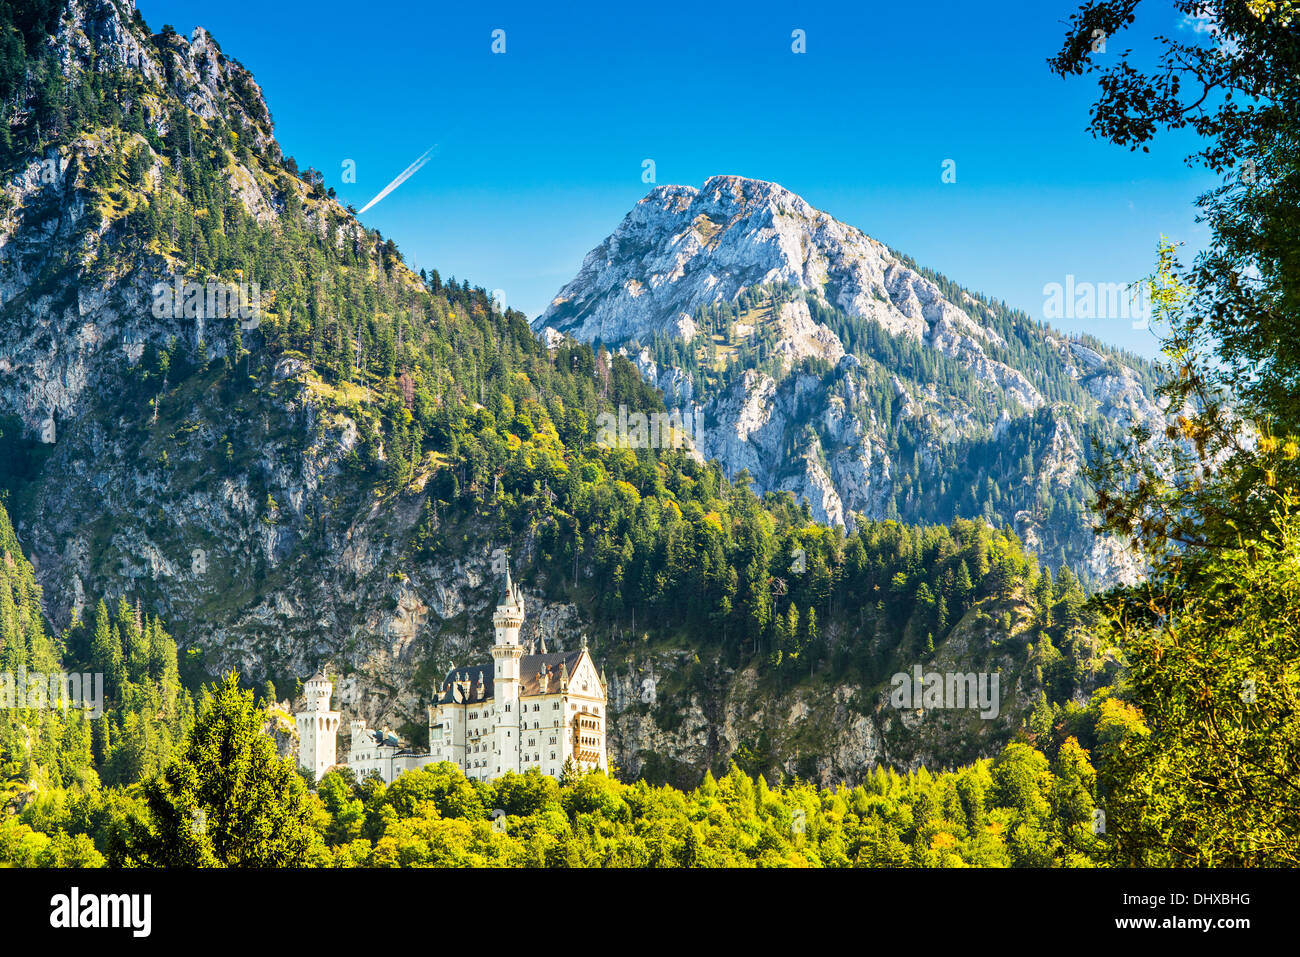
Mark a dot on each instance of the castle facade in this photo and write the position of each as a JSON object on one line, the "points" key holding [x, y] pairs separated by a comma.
{"points": [[526, 709]]}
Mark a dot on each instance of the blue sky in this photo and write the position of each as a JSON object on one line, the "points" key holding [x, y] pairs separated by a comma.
{"points": [[540, 149]]}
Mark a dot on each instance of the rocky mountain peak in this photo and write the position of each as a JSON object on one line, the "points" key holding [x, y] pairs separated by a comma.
{"points": [[314, 489], [741, 196], [682, 248], [926, 386], [110, 35]]}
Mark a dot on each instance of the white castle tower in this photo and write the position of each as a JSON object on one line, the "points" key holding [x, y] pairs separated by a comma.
{"points": [[507, 651], [318, 728]]}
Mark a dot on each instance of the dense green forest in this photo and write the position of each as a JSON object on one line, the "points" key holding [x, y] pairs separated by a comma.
{"points": [[227, 799], [1213, 499], [459, 406], [63, 757], [84, 791]]}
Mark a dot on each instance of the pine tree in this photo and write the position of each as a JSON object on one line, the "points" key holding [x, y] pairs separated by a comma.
{"points": [[962, 586], [227, 801], [106, 652]]}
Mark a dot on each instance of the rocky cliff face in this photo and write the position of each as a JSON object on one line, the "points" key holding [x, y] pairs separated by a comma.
{"points": [[105, 35], [675, 714], [682, 251], [65, 340]]}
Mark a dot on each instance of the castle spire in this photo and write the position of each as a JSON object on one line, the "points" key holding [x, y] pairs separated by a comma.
{"points": [[509, 615], [511, 596]]}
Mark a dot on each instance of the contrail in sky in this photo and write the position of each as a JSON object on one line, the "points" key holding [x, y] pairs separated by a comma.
{"points": [[401, 178]]}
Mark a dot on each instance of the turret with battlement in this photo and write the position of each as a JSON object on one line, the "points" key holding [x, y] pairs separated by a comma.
{"points": [[318, 727]]}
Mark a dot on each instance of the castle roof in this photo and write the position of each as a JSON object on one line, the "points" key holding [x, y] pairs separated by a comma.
{"points": [[478, 684], [382, 739], [531, 665], [475, 680]]}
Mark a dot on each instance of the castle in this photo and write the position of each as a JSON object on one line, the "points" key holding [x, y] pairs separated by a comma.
{"points": [[521, 711]]}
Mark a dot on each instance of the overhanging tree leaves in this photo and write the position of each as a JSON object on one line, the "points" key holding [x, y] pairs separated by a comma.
{"points": [[1206, 769]]}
